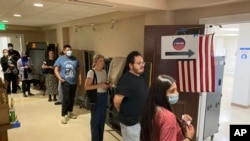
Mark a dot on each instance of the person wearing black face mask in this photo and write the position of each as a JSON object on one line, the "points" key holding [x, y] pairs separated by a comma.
{"points": [[24, 66], [14, 54]]}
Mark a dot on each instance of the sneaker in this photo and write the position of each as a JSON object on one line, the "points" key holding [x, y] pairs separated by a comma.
{"points": [[72, 116], [18, 87], [31, 94], [64, 120], [58, 103]]}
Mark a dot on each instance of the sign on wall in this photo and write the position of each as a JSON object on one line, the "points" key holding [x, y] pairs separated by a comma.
{"points": [[179, 47], [244, 53]]}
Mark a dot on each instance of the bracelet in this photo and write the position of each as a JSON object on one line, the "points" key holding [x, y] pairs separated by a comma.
{"points": [[188, 138]]}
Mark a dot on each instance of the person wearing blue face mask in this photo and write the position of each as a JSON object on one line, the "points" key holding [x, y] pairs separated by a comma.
{"points": [[158, 122], [67, 70]]}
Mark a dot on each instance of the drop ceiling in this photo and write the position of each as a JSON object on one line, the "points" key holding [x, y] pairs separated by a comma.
{"points": [[60, 11]]}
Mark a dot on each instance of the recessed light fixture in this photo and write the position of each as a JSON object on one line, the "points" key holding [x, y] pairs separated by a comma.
{"points": [[38, 5], [5, 21], [17, 15]]}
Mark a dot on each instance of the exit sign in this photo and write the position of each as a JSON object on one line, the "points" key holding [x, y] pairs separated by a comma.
{"points": [[2, 26]]}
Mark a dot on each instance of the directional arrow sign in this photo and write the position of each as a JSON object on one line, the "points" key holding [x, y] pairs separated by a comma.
{"points": [[189, 53], [179, 47]]}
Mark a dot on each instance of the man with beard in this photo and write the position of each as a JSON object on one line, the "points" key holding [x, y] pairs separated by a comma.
{"points": [[130, 97]]}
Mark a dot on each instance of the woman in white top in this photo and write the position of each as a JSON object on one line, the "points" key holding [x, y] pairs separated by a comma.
{"points": [[98, 108]]}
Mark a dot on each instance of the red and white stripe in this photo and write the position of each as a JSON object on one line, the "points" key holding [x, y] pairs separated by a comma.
{"points": [[198, 75]]}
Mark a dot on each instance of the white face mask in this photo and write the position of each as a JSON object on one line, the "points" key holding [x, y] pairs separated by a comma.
{"points": [[10, 48], [69, 53], [173, 98]]}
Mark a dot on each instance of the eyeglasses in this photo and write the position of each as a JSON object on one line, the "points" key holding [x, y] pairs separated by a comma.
{"points": [[140, 63]]}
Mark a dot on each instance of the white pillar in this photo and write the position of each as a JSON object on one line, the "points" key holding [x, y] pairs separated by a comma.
{"points": [[241, 87]]}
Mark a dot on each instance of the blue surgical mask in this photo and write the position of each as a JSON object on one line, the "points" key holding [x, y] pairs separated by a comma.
{"points": [[173, 98], [69, 53]]}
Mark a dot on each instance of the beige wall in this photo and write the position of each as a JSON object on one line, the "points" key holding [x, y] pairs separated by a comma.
{"points": [[50, 36], [29, 36], [192, 16], [160, 18], [126, 36]]}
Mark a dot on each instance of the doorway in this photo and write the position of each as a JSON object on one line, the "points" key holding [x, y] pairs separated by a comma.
{"points": [[226, 44], [16, 39]]}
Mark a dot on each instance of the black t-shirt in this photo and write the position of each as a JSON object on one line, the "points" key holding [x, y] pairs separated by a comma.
{"points": [[49, 62], [135, 92]]}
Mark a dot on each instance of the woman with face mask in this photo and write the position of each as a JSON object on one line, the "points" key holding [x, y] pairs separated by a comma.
{"points": [[24, 66], [158, 122], [8, 65]]}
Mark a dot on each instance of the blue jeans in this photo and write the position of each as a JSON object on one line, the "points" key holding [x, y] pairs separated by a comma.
{"points": [[131, 133], [98, 116]]}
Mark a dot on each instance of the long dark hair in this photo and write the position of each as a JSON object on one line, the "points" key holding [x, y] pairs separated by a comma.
{"points": [[157, 97]]}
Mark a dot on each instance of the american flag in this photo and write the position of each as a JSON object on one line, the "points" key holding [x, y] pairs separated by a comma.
{"points": [[198, 75]]}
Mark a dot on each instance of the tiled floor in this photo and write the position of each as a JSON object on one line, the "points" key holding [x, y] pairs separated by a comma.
{"points": [[40, 119]]}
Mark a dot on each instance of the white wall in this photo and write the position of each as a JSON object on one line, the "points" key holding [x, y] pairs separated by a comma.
{"points": [[241, 87], [230, 45], [227, 46], [16, 39]]}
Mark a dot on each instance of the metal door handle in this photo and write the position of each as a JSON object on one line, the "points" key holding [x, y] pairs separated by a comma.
{"points": [[217, 104], [209, 107], [219, 82]]}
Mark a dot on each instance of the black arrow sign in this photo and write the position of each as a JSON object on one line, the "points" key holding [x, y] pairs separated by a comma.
{"points": [[189, 53]]}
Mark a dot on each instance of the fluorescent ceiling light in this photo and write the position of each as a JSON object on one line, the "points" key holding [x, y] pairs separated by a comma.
{"points": [[5, 21], [38, 5], [91, 3], [17, 15], [230, 29]]}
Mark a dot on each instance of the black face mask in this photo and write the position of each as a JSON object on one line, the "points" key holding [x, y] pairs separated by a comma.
{"points": [[10, 48]]}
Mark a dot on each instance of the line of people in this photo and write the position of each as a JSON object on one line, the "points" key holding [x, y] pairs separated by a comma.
{"points": [[144, 113], [15, 67]]}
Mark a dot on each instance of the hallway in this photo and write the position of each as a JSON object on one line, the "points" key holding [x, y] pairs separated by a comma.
{"points": [[40, 119]]}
